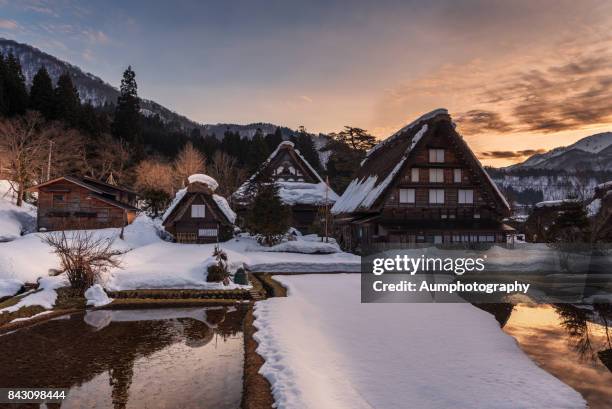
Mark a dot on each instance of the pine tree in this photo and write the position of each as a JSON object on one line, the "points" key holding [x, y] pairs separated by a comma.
{"points": [[16, 94], [268, 217], [258, 152], [274, 139], [570, 225], [127, 112], [357, 138], [305, 144], [41, 93], [67, 101]]}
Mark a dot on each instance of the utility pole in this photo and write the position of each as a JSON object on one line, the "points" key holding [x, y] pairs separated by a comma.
{"points": [[49, 160]]}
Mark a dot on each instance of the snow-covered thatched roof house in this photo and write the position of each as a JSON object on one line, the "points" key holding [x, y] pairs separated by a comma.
{"points": [[300, 186], [199, 215], [422, 184]]}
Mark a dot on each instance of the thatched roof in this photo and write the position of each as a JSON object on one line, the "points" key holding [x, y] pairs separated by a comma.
{"points": [[386, 161]]}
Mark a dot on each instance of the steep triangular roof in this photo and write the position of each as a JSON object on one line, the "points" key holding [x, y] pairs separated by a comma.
{"points": [[385, 161], [292, 192]]}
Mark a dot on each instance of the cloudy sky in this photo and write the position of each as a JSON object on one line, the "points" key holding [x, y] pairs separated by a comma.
{"points": [[518, 76]]}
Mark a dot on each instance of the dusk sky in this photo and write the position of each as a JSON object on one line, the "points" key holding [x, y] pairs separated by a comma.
{"points": [[518, 76]]}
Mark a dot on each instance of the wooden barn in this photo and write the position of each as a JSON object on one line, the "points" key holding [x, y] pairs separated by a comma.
{"points": [[300, 186], [421, 185], [72, 203], [199, 215]]}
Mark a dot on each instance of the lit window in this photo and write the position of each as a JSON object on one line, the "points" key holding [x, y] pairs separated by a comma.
{"points": [[436, 196], [207, 232], [414, 175], [457, 175], [436, 155], [436, 175], [198, 211], [466, 196], [406, 196]]}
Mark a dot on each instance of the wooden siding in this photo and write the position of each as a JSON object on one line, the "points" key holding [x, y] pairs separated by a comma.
{"points": [[67, 206]]}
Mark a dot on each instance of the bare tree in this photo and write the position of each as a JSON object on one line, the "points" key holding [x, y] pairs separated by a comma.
{"points": [[152, 174], [188, 162], [225, 170], [33, 150], [83, 256], [111, 156]]}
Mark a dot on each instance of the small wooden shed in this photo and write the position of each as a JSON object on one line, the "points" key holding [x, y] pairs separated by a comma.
{"points": [[199, 215]]}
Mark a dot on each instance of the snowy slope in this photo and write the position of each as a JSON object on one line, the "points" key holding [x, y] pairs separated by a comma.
{"points": [[14, 219], [593, 152], [422, 355]]}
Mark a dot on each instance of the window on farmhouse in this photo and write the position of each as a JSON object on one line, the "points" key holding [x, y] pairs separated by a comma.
{"points": [[436, 155], [457, 175], [436, 196], [436, 175], [466, 196], [58, 198], [207, 232], [414, 175], [406, 196], [198, 211]]}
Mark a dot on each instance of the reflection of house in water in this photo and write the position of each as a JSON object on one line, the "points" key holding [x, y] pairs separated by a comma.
{"points": [[65, 353]]}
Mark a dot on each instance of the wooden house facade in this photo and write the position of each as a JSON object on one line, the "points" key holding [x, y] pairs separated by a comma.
{"points": [[300, 186], [72, 203], [421, 185], [198, 215]]}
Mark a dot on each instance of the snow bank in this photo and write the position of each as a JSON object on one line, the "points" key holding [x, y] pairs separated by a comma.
{"points": [[9, 287], [353, 355], [302, 246], [14, 219], [45, 296], [207, 180], [96, 296]]}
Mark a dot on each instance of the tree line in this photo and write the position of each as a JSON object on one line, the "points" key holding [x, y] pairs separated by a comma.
{"points": [[47, 131]]}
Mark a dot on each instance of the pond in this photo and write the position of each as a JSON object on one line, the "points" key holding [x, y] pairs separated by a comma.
{"points": [[159, 358], [572, 343]]}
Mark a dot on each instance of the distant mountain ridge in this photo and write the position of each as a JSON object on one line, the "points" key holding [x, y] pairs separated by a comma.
{"points": [[593, 153], [98, 92]]}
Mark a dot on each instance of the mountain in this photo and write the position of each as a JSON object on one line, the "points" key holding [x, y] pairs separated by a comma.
{"points": [[593, 153]]}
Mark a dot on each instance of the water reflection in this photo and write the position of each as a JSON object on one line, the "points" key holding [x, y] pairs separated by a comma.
{"points": [[163, 358], [569, 342]]}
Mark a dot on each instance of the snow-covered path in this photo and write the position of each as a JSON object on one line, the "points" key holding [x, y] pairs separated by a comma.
{"points": [[324, 349]]}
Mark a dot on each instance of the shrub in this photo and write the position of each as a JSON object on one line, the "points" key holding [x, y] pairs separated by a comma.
{"points": [[241, 277], [218, 272]]}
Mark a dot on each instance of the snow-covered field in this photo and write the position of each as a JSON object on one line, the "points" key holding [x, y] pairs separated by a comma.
{"points": [[324, 349], [14, 219], [151, 262]]}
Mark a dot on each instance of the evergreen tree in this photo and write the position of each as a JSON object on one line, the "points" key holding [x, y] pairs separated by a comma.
{"points": [[570, 225], [268, 217], [3, 106], [41, 93], [305, 144], [274, 139], [258, 151], [127, 112], [67, 102], [16, 94], [357, 138]]}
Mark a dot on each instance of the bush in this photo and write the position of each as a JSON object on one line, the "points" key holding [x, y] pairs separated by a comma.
{"points": [[241, 277], [218, 272]]}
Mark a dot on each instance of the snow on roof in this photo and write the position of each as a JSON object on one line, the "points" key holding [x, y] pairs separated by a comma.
{"points": [[306, 193], [364, 192], [202, 178], [424, 117], [555, 203], [177, 198], [593, 207], [225, 208], [605, 185]]}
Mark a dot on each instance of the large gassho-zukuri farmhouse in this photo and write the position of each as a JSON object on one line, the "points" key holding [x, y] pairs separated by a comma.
{"points": [[300, 186], [421, 185]]}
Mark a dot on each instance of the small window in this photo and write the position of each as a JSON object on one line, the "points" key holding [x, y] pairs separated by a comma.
{"points": [[406, 196], [457, 175], [198, 211], [437, 239], [58, 198], [436, 196], [207, 232], [414, 175], [436, 155], [436, 175], [476, 215], [466, 196]]}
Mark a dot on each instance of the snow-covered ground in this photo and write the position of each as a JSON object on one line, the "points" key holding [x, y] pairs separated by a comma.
{"points": [[14, 219], [151, 262], [324, 349]]}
